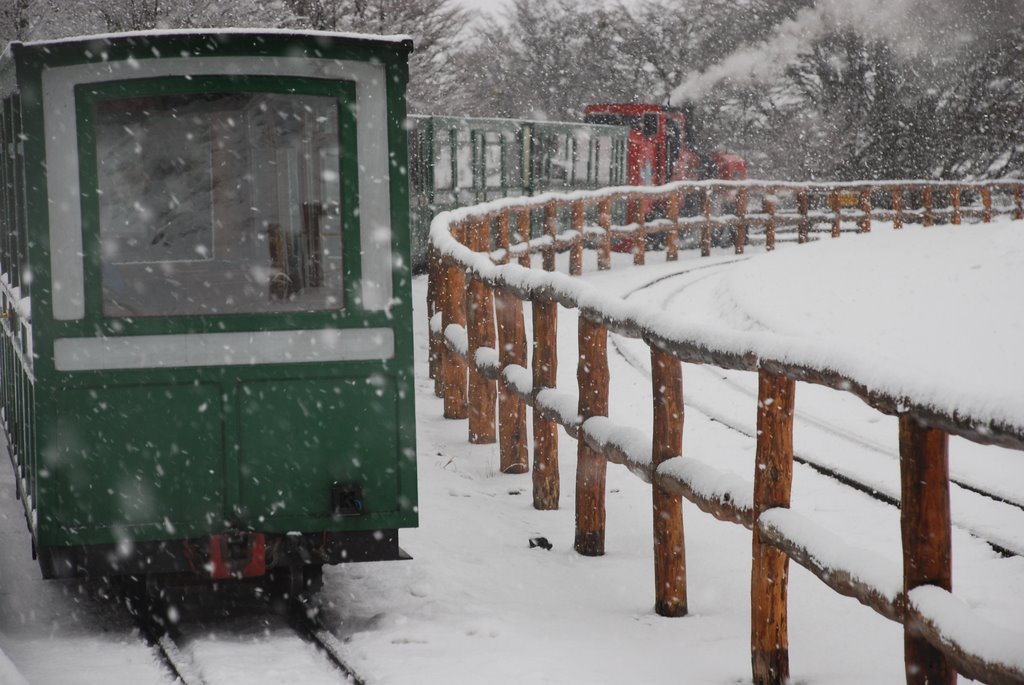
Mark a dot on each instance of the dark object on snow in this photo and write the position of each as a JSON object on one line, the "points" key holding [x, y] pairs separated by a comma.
{"points": [[540, 542]]}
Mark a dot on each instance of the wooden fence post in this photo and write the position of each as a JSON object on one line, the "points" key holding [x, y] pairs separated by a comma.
{"points": [[523, 229], [579, 213], [672, 238], [768, 203], [1018, 202], [803, 203], [591, 466], [604, 220], [640, 241], [454, 312], [954, 200], [545, 432], [865, 207], [480, 333], [773, 479], [926, 205], [986, 203], [669, 547], [705, 229], [742, 197], [513, 449], [551, 229], [897, 208], [927, 548], [837, 212]]}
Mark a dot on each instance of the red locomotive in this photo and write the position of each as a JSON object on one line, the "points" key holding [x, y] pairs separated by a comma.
{"points": [[661, 150]]}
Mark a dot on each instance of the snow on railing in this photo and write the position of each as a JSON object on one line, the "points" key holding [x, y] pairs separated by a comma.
{"points": [[482, 322]]}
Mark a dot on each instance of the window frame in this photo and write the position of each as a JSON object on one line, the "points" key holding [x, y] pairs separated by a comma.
{"points": [[87, 95]]}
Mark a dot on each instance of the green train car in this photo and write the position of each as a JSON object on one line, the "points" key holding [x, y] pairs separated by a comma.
{"points": [[207, 329], [458, 161]]}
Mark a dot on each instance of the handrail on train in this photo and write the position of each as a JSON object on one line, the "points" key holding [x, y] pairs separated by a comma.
{"points": [[478, 359]]}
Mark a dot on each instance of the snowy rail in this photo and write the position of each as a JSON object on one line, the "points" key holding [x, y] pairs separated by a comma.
{"points": [[478, 358]]}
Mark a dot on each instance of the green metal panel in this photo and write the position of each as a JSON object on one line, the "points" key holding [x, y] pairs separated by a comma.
{"points": [[299, 437], [113, 472]]}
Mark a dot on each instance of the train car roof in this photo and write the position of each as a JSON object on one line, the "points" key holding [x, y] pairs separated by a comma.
{"points": [[219, 35]]}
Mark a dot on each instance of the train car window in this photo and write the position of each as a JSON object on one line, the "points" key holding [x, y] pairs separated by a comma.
{"points": [[674, 139], [6, 169], [464, 158], [513, 160], [650, 124], [561, 159], [492, 159], [631, 120], [442, 160], [604, 161], [219, 203], [581, 158]]}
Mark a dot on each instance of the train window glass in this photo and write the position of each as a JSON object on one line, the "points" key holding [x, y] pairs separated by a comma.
{"points": [[219, 203], [464, 152], [442, 160], [631, 120], [581, 158], [674, 138], [492, 159], [650, 124], [604, 161], [560, 158], [513, 160], [5, 175]]}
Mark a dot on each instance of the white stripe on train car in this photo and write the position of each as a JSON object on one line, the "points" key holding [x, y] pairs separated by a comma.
{"points": [[61, 127], [223, 349]]}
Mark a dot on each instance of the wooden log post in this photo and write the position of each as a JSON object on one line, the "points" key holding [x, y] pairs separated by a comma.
{"points": [[483, 393], [512, 436], [545, 432], [803, 204], [454, 312], [523, 229], [768, 204], [865, 208], [986, 203], [669, 548], [604, 220], [640, 239], [742, 198], [1018, 202], [705, 229], [926, 205], [773, 479], [897, 208], [672, 238], [954, 201], [591, 466], [579, 215], [927, 542], [551, 230], [837, 212]]}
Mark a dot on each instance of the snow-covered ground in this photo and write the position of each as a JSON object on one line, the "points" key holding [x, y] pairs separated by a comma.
{"points": [[477, 604]]}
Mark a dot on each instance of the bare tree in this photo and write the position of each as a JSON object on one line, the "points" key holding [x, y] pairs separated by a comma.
{"points": [[15, 19], [435, 25]]}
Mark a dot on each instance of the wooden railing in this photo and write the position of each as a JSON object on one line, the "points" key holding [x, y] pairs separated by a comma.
{"points": [[479, 358]]}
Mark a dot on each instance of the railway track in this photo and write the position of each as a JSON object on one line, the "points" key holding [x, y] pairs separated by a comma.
{"points": [[180, 649], [872, 457]]}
